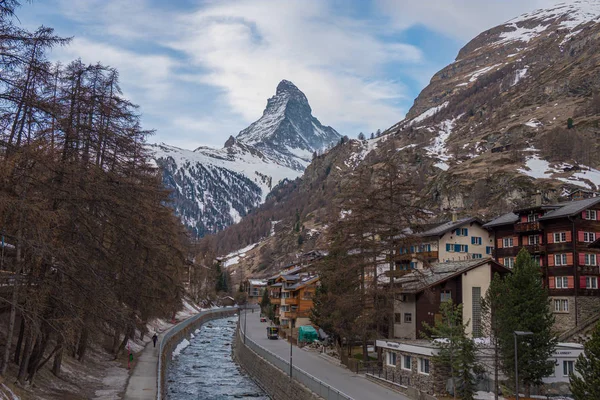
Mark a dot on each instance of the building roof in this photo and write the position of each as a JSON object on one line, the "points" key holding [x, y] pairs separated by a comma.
{"points": [[305, 281], [506, 219], [558, 210], [571, 208], [448, 226], [257, 282], [422, 279]]}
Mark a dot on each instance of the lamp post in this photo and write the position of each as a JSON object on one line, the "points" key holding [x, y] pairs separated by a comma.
{"points": [[517, 334]]}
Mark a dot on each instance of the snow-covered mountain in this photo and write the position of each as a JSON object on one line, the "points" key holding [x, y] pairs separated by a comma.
{"points": [[213, 188]]}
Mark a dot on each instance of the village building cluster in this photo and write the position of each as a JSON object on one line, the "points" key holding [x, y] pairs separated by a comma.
{"points": [[456, 260]]}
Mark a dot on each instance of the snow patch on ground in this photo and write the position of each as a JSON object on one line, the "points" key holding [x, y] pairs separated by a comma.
{"points": [[235, 257], [114, 382], [231, 261], [533, 123], [538, 168], [520, 74], [182, 345], [438, 148], [474, 75], [429, 113]]}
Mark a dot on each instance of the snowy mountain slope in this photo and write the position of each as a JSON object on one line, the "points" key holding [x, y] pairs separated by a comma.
{"points": [[287, 132], [213, 188]]}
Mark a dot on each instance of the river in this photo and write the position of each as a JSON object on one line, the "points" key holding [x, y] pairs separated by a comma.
{"points": [[205, 370]]}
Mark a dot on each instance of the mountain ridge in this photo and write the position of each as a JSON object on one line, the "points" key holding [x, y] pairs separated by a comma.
{"points": [[213, 188]]}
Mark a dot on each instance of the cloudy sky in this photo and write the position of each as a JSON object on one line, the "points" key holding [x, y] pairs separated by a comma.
{"points": [[203, 70]]}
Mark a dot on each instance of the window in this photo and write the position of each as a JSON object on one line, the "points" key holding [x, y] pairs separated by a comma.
{"points": [[424, 366], [568, 367], [445, 295], [397, 318], [449, 248], [407, 362], [285, 308], [462, 232], [533, 240], [537, 259], [476, 310], [461, 248], [285, 295], [477, 255], [509, 262], [507, 242], [561, 305], [391, 359], [561, 282], [590, 259], [476, 240], [532, 217], [407, 318], [489, 249], [590, 214], [560, 259], [591, 282], [560, 237], [589, 236]]}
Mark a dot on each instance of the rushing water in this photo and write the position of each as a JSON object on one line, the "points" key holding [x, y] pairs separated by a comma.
{"points": [[205, 369]]}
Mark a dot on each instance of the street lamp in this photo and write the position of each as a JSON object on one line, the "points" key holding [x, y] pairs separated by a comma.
{"points": [[517, 334]]}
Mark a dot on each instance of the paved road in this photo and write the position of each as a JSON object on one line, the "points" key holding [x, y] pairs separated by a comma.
{"points": [[356, 386], [143, 381]]}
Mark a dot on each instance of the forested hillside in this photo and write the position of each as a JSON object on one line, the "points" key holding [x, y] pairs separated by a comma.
{"points": [[90, 249]]}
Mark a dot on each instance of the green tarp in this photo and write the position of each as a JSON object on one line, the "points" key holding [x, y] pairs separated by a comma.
{"points": [[307, 334]]}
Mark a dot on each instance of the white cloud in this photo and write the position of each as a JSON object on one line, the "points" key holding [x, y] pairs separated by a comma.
{"points": [[462, 19]]}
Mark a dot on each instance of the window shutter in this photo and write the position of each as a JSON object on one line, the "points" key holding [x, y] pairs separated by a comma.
{"points": [[473, 240], [541, 238], [466, 232], [499, 243], [551, 260], [523, 218], [583, 214], [457, 248], [580, 236], [466, 248], [550, 238], [569, 258], [569, 236], [571, 282], [581, 259], [448, 247], [541, 261], [501, 261], [516, 241], [551, 282], [582, 284]]}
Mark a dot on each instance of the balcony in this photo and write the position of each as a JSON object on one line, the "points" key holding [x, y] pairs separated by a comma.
{"points": [[527, 226], [275, 300], [398, 273], [535, 248], [291, 301], [426, 255]]}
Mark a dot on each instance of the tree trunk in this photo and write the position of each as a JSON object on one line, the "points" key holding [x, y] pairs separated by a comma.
{"points": [[365, 351], [496, 368], [121, 346], [11, 328], [20, 342], [58, 357], [30, 338], [83, 342]]}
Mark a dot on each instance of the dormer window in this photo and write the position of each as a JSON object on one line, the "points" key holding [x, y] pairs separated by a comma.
{"points": [[532, 217]]}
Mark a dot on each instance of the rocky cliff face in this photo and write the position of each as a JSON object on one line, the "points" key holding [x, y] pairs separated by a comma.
{"points": [[517, 111], [214, 188]]}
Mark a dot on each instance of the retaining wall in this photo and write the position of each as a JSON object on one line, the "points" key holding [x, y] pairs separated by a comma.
{"points": [[271, 379], [179, 332]]}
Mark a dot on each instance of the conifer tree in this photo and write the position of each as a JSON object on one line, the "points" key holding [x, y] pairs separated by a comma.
{"points": [[456, 351], [526, 307], [587, 386], [490, 306]]}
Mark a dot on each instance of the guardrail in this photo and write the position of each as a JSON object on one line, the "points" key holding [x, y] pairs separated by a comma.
{"points": [[315, 385]]}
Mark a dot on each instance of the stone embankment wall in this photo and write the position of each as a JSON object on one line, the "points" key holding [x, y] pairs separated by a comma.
{"points": [[271, 379], [179, 332]]}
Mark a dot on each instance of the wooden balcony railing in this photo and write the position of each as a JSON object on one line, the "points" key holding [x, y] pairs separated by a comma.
{"points": [[527, 226], [398, 273], [421, 255]]}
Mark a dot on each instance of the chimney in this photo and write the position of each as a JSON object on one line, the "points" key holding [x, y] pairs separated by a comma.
{"points": [[538, 198], [454, 216]]}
